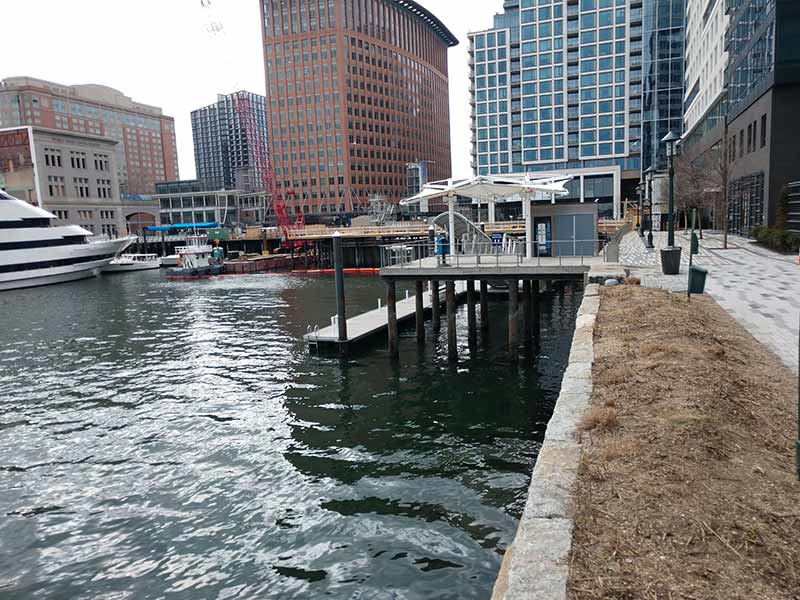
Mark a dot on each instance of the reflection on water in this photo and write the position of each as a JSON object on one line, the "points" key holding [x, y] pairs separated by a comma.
{"points": [[176, 439]]}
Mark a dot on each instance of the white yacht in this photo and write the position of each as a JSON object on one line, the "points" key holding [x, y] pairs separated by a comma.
{"points": [[34, 252], [133, 262]]}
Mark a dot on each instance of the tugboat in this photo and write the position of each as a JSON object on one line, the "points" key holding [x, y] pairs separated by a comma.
{"points": [[195, 260]]}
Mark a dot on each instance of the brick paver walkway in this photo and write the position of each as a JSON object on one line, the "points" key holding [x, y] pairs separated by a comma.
{"points": [[759, 288]]}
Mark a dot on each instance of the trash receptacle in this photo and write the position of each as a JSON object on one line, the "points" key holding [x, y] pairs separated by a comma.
{"points": [[695, 244], [697, 280]]}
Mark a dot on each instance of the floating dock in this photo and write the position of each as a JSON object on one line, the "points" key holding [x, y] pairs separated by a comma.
{"points": [[376, 321]]}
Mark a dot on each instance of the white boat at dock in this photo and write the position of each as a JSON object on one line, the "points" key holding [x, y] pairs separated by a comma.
{"points": [[35, 252], [133, 262], [195, 260]]}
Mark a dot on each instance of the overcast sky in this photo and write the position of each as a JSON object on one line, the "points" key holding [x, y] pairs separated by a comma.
{"points": [[178, 55]]}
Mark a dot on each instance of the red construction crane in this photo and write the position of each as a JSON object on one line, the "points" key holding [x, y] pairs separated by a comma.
{"points": [[263, 166]]}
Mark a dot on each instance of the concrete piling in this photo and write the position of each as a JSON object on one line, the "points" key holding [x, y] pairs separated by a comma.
{"points": [[527, 324]]}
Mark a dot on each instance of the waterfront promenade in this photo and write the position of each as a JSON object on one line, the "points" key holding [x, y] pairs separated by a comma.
{"points": [[758, 287]]}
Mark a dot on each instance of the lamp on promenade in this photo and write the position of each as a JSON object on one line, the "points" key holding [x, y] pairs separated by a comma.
{"points": [[640, 191], [671, 256], [648, 175]]}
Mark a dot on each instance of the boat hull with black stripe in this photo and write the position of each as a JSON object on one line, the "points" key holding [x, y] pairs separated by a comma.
{"points": [[33, 252]]}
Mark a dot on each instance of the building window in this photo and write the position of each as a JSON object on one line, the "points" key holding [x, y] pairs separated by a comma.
{"points": [[52, 157], [81, 185], [63, 215], [104, 188], [763, 130], [109, 230], [77, 160], [101, 162], [56, 187], [108, 215], [85, 214]]}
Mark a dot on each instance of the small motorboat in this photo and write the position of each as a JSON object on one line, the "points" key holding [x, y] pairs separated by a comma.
{"points": [[195, 260], [133, 262]]}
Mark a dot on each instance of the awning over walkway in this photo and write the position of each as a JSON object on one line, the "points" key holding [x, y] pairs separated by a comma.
{"points": [[182, 226]]}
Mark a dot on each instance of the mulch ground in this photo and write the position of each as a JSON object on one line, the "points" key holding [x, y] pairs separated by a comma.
{"points": [[687, 486]]}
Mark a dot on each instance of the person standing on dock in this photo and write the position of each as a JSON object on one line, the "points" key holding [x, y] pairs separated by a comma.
{"points": [[442, 247], [218, 253]]}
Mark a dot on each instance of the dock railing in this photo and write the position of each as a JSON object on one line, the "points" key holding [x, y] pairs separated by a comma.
{"points": [[556, 252]]}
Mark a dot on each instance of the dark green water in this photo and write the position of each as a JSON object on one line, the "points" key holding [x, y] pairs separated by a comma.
{"points": [[175, 439]]}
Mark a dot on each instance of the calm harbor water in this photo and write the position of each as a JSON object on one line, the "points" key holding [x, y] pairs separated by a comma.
{"points": [[175, 439]]}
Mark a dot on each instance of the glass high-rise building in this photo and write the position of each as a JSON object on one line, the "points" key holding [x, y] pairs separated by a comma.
{"points": [[221, 151], [556, 85], [663, 77]]}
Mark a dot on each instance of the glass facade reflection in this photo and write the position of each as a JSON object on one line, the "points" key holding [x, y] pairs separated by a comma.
{"points": [[663, 69]]}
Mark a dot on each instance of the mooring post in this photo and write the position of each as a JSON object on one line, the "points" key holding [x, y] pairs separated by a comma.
{"points": [[431, 251], [484, 307], [513, 319], [341, 310], [163, 244], [420, 311], [452, 347], [471, 317], [527, 324], [536, 310], [391, 309], [436, 306]]}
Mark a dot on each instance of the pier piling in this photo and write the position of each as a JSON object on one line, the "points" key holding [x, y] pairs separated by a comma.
{"points": [[484, 307], [436, 306], [513, 319], [471, 317], [527, 324], [391, 310], [536, 310], [420, 312], [341, 310], [452, 343]]}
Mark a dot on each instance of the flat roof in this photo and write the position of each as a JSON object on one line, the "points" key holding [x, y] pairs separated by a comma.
{"points": [[430, 20]]}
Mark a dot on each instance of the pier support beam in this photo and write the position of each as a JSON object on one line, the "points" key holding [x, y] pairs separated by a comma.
{"points": [[527, 322], [452, 342], [472, 325], [536, 310], [391, 309], [420, 312], [436, 306], [484, 307], [513, 319]]}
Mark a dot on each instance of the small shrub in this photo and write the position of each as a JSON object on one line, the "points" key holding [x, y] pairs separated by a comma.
{"points": [[776, 239], [599, 418]]}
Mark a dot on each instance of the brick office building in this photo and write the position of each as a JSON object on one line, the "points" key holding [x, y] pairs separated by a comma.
{"points": [[145, 151], [356, 90]]}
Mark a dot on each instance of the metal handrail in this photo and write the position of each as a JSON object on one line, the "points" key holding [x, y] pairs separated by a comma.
{"points": [[413, 253]]}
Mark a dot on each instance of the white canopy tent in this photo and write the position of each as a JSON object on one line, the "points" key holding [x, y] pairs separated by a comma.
{"points": [[491, 189]]}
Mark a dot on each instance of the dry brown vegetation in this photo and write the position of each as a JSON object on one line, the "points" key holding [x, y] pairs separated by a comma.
{"points": [[689, 490]]}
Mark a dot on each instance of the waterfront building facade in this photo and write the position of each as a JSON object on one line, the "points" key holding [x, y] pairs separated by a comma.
{"points": [[763, 74], [73, 176], [145, 151], [557, 86], [221, 150], [356, 90], [192, 201]]}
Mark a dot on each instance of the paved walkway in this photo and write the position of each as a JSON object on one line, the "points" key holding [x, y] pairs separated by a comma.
{"points": [[758, 287]]}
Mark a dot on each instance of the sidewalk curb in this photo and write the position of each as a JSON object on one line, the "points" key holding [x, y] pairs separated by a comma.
{"points": [[537, 563]]}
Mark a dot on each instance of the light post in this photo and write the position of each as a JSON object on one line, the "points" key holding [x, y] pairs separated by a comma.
{"points": [[671, 256], [648, 174], [640, 191]]}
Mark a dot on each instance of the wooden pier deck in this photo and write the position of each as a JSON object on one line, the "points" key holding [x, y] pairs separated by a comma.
{"points": [[376, 321]]}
